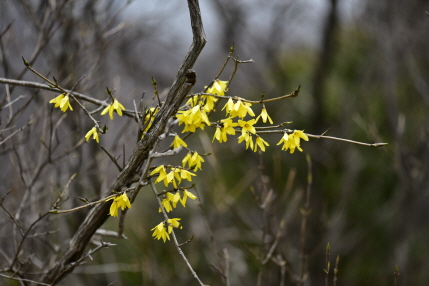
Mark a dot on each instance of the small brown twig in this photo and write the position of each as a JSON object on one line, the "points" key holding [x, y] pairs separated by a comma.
{"points": [[337, 262], [111, 158], [327, 264], [174, 236], [396, 274]]}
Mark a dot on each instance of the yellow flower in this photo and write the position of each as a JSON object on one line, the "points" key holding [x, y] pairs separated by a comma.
{"points": [[193, 118], [227, 127], [218, 136], [122, 202], [186, 195], [261, 143], [162, 174], [150, 116], [160, 231], [163, 229], [115, 106], [184, 174], [193, 160], [248, 138], [166, 205], [264, 116], [174, 199], [177, 142], [94, 134], [218, 87], [62, 102], [247, 126], [239, 108], [292, 141]]}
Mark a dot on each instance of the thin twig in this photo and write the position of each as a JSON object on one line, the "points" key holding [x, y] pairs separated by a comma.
{"points": [[78, 95], [174, 236], [24, 280], [111, 158], [337, 262], [9, 214], [84, 206], [305, 212], [327, 264]]}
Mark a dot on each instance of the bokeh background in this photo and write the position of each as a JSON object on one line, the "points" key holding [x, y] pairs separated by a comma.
{"points": [[363, 67]]}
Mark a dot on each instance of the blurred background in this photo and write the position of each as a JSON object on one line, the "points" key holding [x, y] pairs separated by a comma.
{"points": [[363, 67]]}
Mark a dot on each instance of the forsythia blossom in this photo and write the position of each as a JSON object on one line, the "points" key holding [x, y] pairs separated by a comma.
{"points": [[163, 229], [261, 143], [186, 195], [227, 127], [264, 116], [238, 109], [170, 201], [193, 118], [149, 118], [248, 138], [292, 141], [122, 202], [115, 106], [218, 87], [194, 161], [94, 134], [247, 126], [62, 102], [175, 174], [177, 142]]}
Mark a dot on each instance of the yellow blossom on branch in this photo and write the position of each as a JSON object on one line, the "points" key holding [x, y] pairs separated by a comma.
{"points": [[194, 160], [162, 174], [261, 143], [149, 118], [226, 127], [264, 116], [166, 205], [177, 142], [62, 102], [238, 109], [115, 106], [120, 201], [218, 87], [186, 195], [247, 126], [175, 174], [94, 134], [248, 138], [163, 229], [292, 141], [193, 118]]}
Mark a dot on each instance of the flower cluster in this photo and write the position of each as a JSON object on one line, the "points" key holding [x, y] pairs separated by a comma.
{"points": [[206, 101], [163, 229], [120, 201], [170, 201], [193, 118], [62, 101], [292, 140], [175, 174], [238, 109], [194, 161]]}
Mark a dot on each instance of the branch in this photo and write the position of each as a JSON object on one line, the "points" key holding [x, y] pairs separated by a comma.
{"points": [[174, 236], [177, 93]]}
